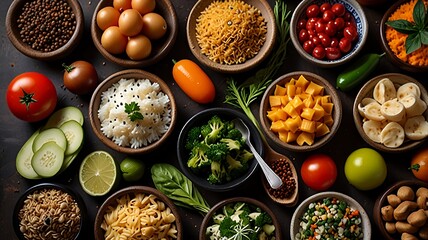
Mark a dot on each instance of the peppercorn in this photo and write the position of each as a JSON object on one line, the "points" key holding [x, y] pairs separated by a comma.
{"points": [[282, 168], [46, 25]]}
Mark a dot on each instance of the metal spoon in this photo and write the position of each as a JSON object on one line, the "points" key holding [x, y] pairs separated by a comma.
{"points": [[273, 179]]}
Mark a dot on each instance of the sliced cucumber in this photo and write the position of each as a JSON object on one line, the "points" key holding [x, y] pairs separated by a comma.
{"points": [[47, 161], [73, 132], [50, 135], [64, 115], [68, 160], [23, 159]]}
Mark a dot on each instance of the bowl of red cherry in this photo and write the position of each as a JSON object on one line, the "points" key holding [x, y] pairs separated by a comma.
{"points": [[328, 33]]}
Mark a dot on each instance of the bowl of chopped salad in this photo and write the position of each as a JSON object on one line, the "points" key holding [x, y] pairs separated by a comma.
{"points": [[332, 215], [240, 218]]}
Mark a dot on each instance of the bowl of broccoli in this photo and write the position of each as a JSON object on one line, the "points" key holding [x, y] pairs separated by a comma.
{"points": [[240, 218], [213, 154]]}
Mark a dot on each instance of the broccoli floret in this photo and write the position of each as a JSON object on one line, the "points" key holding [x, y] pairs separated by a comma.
{"points": [[228, 210], [216, 125], [205, 130], [263, 219], [198, 157], [235, 168], [234, 134], [218, 173], [217, 152], [245, 156], [233, 145], [193, 137]]}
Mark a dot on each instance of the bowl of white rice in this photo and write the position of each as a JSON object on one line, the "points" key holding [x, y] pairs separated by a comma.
{"points": [[133, 111]]}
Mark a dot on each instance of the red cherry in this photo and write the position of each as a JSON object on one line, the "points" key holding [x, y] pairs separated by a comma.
{"points": [[345, 45], [332, 53], [350, 32], [303, 35], [338, 9], [312, 11], [325, 6], [318, 52]]}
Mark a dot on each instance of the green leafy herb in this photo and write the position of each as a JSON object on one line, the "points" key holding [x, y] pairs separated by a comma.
{"points": [[133, 111], [241, 96], [417, 32], [170, 181]]}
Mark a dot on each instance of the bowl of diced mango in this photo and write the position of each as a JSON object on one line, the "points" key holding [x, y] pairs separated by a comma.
{"points": [[300, 111]]}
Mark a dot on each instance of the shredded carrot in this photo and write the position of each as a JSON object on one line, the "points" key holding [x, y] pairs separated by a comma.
{"points": [[314, 226], [354, 213], [396, 40]]}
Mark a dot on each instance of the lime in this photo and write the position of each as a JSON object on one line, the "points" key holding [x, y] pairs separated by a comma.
{"points": [[132, 169], [98, 173]]}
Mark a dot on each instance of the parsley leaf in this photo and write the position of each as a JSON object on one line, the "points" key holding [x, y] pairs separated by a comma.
{"points": [[133, 111]]}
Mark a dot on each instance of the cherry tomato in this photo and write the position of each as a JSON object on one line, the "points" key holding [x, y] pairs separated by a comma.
{"points": [[334, 42], [193, 81], [350, 32], [316, 40], [303, 35], [301, 24], [318, 52], [325, 6], [31, 96], [308, 46], [319, 172], [339, 23], [338, 9], [330, 29], [419, 165], [80, 77], [312, 11], [325, 39], [345, 45], [310, 24], [319, 26], [332, 53], [327, 16]]}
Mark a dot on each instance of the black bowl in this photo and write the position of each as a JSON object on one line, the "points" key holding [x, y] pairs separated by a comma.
{"points": [[76, 197], [200, 118]]}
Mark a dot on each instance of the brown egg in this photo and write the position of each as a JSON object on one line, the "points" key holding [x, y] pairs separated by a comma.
{"points": [[130, 22], [107, 17], [154, 26], [143, 6], [138, 47], [113, 40]]}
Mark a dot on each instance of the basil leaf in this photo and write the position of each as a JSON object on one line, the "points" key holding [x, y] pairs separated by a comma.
{"points": [[402, 26], [413, 42], [424, 36], [171, 182], [419, 14]]}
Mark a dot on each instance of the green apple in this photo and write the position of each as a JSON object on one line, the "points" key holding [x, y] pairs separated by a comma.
{"points": [[132, 169]]}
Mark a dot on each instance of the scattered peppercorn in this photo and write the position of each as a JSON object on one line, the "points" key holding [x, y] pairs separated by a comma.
{"points": [[282, 168], [46, 25]]}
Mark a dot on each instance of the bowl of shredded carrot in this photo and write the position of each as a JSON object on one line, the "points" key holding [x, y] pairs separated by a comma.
{"points": [[393, 42]]}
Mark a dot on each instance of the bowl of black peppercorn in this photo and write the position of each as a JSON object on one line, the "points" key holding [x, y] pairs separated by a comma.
{"points": [[46, 30]]}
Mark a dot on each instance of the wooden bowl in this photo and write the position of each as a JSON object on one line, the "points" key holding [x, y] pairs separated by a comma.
{"points": [[249, 64], [384, 43], [356, 11], [160, 47], [95, 102], [207, 221], [328, 90], [382, 201], [302, 208], [367, 91], [132, 191], [13, 13]]}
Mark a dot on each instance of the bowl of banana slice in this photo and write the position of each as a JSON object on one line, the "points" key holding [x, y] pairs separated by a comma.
{"points": [[390, 112]]}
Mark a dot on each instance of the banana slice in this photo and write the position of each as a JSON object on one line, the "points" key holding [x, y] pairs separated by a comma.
{"points": [[372, 112], [393, 110], [407, 89], [416, 128], [384, 91], [413, 106], [373, 129], [392, 135], [362, 105]]}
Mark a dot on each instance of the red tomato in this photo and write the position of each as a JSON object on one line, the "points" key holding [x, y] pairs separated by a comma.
{"points": [[419, 165], [350, 32], [318, 52], [31, 96], [319, 172], [338, 9], [312, 11]]}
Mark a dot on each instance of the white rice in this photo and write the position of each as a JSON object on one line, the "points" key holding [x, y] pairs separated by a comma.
{"points": [[154, 105]]}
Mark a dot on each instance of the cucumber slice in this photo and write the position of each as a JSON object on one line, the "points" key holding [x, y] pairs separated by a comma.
{"points": [[64, 115], [73, 132], [23, 159], [50, 135], [47, 161], [68, 160]]}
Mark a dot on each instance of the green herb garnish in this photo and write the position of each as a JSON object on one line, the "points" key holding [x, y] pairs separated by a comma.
{"points": [[417, 32], [133, 111]]}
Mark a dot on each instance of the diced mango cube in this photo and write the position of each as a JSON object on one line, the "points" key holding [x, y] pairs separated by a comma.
{"points": [[278, 126], [278, 114], [314, 89], [291, 91], [307, 113], [319, 112], [321, 129], [309, 102], [297, 103], [280, 90], [305, 137], [284, 100], [293, 124], [328, 107], [307, 126], [274, 101], [328, 120], [290, 110], [302, 82]]}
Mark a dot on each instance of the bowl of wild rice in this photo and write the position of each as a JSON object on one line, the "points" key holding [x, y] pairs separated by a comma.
{"points": [[46, 30], [231, 36], [133, 111], [49, 211]]}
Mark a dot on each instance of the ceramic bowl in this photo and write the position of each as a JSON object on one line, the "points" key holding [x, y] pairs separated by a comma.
{"points": [[266, 11], [146, 193], [336, 114], [183, 154], [382, 201], [385, 46], [95, 103], [13, 32], [160, 47], [354, 8], [64, 195], [366, 91], [318, 197], [208, 221]]}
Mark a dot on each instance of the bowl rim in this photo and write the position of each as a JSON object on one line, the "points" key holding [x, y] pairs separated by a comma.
{"points": [[249, 64], [96, 100], [337, 112], [294, 223], [76, 196], [63, 51], [134, 190], [384, 43], [358, 119], [207, 218], [168, 39], [203, 183], [357, 48]]}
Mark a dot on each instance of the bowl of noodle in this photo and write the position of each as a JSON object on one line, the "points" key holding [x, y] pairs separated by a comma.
{"points": [[231, 36], [138, 212]]}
